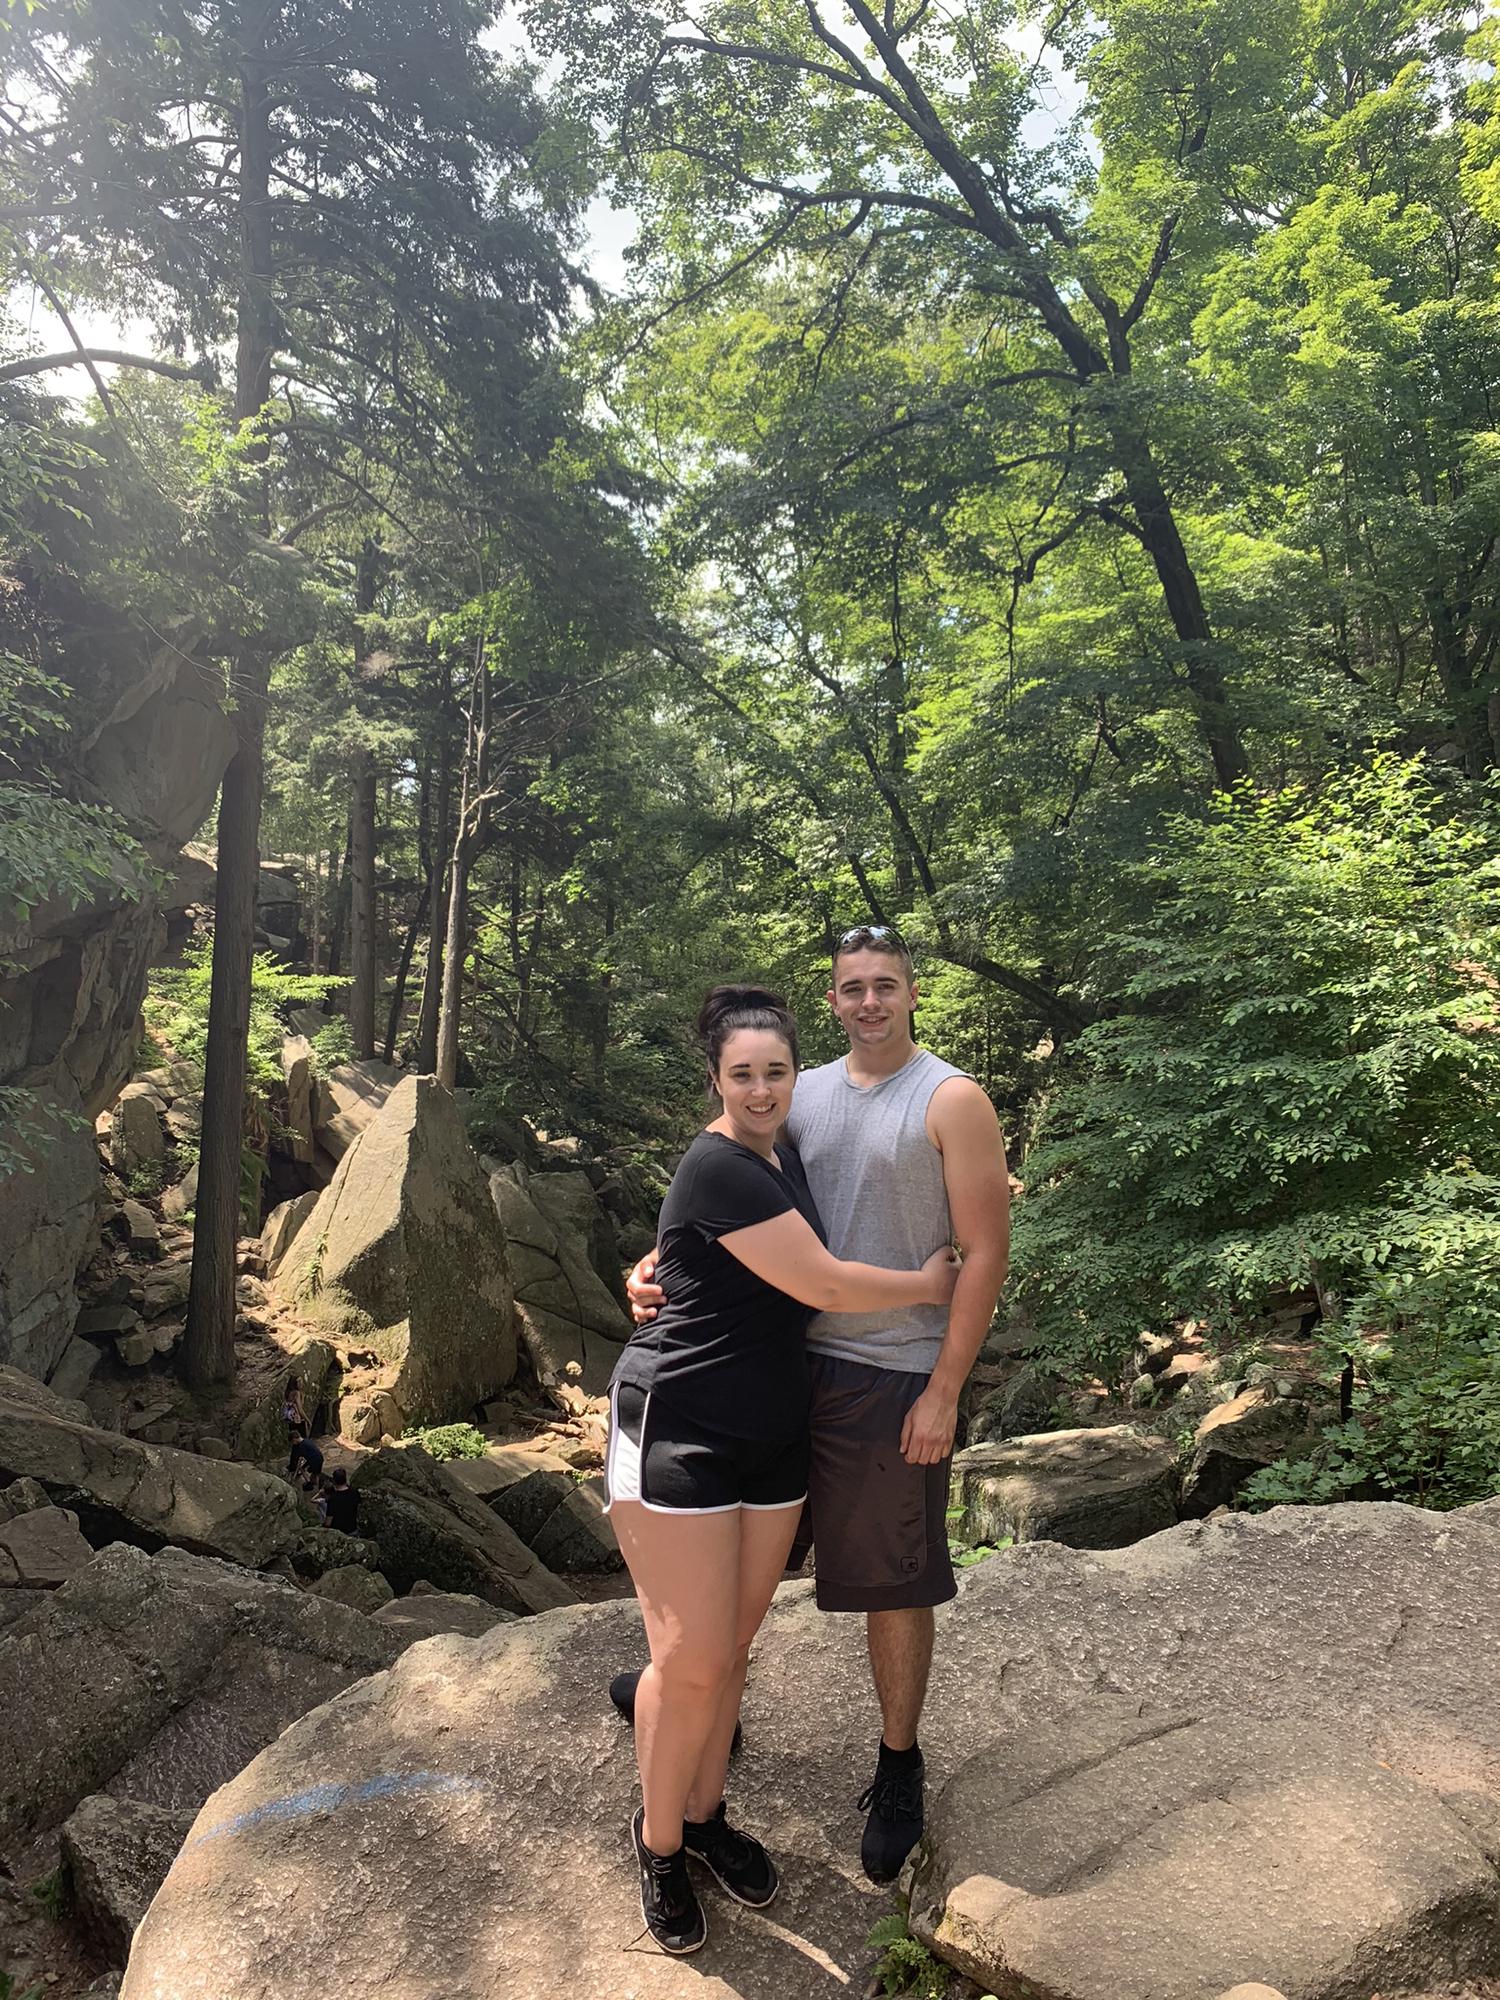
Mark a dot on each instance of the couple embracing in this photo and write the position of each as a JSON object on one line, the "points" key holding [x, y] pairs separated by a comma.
{"points": [[800, 1359]]}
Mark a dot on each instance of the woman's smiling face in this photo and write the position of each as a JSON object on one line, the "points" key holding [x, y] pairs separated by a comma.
{"points": [[754, 1081]]}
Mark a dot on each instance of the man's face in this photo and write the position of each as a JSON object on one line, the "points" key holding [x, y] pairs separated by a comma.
{"points": [[872, 997]]}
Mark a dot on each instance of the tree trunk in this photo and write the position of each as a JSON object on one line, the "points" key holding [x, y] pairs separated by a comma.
{"points": [[418, 915], [362, 962], [362, 907], [603, 998], [207, 1352], [1162, 541], [338, 906], [471, 817], [315, 910], [437, 930], [455, 951]]}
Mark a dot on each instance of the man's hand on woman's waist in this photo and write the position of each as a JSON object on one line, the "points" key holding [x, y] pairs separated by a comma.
{"points": [[641, 1288]]}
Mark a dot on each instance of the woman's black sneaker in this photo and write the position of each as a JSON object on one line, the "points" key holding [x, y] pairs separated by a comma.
{"points": [[622, 1693], [737, 1862], [669, 1902], [893, 1799]]}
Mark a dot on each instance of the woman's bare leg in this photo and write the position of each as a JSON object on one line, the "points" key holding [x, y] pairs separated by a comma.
{"points": [[686, 1571], [765, 1542]]}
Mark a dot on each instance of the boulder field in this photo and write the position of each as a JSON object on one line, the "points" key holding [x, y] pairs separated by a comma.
{"points": [[1253, 1751]]}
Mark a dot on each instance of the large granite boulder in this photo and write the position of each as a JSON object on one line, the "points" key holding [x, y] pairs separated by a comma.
{"points": [[1238, 1439], [430, 1528], [1020, 1407], [150, 740], [137, 1144], [448, 1786], [41, 1549], [119, 1487], [350, 1097], [361, 1589], [1093, 1489], [568, 1315], [570, 1201], [281, 1229], [115, 1856], [403, 1253], [1291, 1852], [299, 1078], [425, 1614], [160, 1677]]}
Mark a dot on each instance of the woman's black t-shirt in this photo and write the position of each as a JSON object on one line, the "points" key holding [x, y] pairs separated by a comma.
{"points": [[726, 1349]]}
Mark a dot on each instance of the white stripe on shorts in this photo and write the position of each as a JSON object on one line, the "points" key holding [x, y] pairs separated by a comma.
{"points": [[622, 1461]]}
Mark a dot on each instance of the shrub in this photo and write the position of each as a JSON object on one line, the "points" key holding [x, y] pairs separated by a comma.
{"points": [[905, 1965], [450, 1441], [1301, 1087]]}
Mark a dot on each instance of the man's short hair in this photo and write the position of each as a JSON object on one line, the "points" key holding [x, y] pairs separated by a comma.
{"points": [[874, 937], [339, 1476]]}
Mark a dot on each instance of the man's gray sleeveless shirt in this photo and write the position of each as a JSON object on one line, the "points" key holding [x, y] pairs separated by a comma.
{"points": [[878, 1181]]}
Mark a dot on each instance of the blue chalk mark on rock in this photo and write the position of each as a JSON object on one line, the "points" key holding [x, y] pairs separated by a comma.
{"points": [[328, 1798]]}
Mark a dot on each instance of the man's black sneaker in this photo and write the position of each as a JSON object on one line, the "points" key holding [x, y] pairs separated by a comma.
{"points": [[622, 1693], [893, 1799], [737, 1862], [669, 1902]]}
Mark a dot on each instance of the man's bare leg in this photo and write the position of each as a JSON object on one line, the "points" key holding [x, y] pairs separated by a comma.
{"points": [[900, 1645], [900, 1655]]}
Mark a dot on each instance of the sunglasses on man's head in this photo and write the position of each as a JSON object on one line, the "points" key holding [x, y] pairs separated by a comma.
{"points": [[871, 934]]}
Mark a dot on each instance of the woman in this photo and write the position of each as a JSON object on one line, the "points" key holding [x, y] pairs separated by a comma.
{"points": [[294, 1416], [708, 1449]]}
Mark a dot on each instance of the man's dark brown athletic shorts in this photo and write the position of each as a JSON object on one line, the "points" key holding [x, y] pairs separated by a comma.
{"points": [[879, 1526]]}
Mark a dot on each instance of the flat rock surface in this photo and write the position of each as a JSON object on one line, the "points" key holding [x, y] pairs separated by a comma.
{"points": [[449, 1787], [1115, 1855]]}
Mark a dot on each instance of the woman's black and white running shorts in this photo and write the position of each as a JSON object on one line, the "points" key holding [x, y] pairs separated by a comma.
{"points": [[675, 1466]]}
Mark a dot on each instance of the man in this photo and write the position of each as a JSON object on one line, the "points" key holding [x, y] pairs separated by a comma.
{"points": [[343, 1503], [305, 1465], [902, 1152]]}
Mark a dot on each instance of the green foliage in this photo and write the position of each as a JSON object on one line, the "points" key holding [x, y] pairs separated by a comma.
{"points": [[27, 1124], [177, 1008], [52, 1893], [450, 1441], [1302, 1080], [905, 1965], [1425, 1425], [963, 1554], [9, 1990], [965, 1557], [331, 1045], [52, 847]]}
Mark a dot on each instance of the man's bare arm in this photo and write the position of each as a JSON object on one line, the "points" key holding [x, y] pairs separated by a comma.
{"points": [[964, 1127]]}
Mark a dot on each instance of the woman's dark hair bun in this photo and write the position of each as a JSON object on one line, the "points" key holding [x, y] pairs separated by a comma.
{"points": [[728, 1008]]}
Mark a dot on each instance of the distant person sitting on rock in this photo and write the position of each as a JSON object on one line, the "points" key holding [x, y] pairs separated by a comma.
{"points": [[305, 1466], [293, 1415], [708, 1450], [343, 1502]]}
